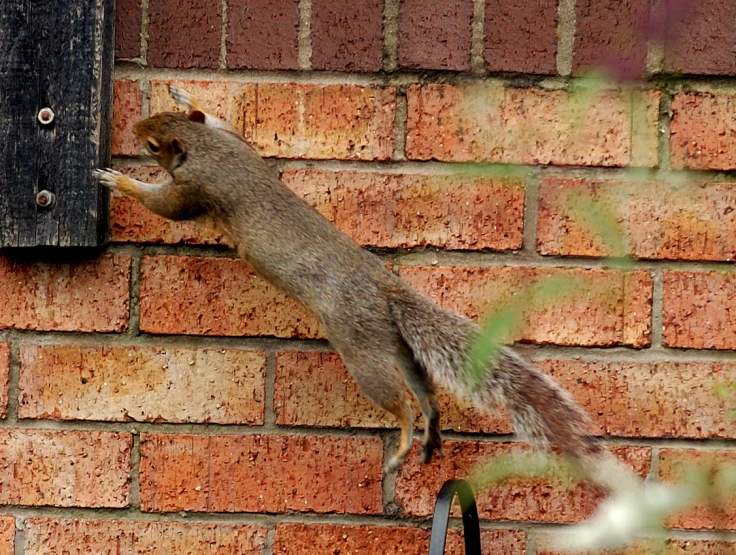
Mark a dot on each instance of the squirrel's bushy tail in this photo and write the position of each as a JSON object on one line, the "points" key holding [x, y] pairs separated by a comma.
{"points": [[540, 410]]}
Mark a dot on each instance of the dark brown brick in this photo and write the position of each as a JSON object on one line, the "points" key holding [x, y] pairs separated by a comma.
{"points": [[184, 33], [347, 36], [435, 35], [262, 34], [127, 28], [609, 34], [521, 36], [703, 39]]}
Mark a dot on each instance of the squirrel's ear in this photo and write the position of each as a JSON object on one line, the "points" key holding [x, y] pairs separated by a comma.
{"points": [[197, 116], [178, 148]]}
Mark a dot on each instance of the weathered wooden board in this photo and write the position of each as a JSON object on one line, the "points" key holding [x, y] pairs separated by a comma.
{"points": [[56, 54]]}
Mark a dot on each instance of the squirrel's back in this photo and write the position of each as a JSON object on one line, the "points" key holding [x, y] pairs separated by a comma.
{"points": [[285, 239]]}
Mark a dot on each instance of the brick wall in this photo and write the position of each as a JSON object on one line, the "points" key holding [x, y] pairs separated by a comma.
{"points": [[159, 397]]}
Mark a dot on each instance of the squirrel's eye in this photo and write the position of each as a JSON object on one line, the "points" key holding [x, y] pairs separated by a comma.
{"points": [[153, 146]]}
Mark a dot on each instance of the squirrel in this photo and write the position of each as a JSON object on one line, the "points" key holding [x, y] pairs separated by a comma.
{"points": [[388, 334]]}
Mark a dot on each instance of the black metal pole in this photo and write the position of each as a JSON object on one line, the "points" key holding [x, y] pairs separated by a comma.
{"points": [[441, 518]]}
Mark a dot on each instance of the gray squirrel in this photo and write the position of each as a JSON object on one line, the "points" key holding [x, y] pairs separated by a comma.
{"points": [[388, 335]]}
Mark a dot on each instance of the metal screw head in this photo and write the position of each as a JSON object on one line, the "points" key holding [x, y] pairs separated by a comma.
{"points": [[45, 116], [45, 199]]}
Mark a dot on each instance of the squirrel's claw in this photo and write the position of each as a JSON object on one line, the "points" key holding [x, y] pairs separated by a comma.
{"points": [[107, 177]]}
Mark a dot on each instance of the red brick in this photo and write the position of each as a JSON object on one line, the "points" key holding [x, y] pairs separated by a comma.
{"points": [[347, 36], [131, 222], [521, 36], [626, 399], [701, 40], [216, 296], [556, 544], [184, 33], [650, 399], [662, 546], [697, 310], [435, 35], [215, 96], [73, 382], [315, 389], [287, 120], [609, 34], [409, 210], [519, 498], [531, 126], [4, 378], [700, 547], [683, 221], [90, 295], [7, 535], [128, 15], [126, 112], [46, 536], [692, 466], [700, 134], [596, 307], [376, 209], [328, 539], [262, 34], [65, 469], [261, 473]]}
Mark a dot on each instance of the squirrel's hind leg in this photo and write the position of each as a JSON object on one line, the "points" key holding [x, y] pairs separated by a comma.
{"points": [[405, 415], [423, 389], [374, 368]]}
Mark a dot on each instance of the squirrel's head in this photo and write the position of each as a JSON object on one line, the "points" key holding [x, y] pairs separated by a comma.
{"points": [[164, 135]]}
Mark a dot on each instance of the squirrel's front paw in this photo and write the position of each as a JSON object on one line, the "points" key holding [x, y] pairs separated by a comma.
{"points": [[109, 178]]}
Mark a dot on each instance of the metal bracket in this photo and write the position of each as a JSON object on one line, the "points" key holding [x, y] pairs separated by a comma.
{"points": [[441, 518]]}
